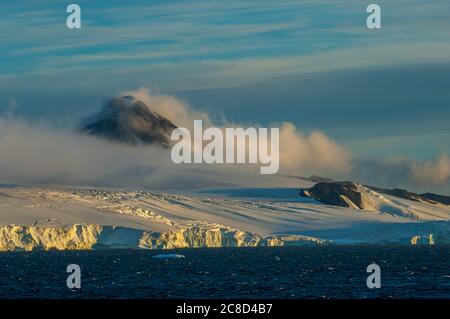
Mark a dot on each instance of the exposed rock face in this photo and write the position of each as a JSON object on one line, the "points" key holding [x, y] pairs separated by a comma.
{"points": [[345, 194], [425, 197], [402, 193], [320, 179], [130, 121], [349, 194], [436, 198]]}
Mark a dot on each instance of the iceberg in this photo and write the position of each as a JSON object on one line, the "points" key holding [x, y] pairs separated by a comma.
{"points": [[168, 256]]}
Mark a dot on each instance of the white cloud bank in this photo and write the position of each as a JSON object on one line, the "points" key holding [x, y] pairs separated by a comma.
{"points": [[434, 172], [33, 153], [298, 152]]}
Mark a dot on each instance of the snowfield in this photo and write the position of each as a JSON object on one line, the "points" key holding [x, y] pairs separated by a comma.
{"points": [[77, 218]]}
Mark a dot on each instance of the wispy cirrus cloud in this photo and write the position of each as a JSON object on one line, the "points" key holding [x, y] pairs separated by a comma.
{"points": [[236, 33], [242, 48]]}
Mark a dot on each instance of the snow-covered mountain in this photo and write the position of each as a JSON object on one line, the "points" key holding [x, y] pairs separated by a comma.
{"points": [[390, 201], [74, 218], [128, 120]]}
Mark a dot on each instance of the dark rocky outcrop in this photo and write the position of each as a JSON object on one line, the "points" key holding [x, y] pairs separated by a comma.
{"points": [[335, 193], [347, 194], [320, 179], [130, 121], [425, 197], [436, 198], [398, 192]]}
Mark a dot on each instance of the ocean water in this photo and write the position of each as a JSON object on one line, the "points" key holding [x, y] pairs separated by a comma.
{"points": [[282, 272]]}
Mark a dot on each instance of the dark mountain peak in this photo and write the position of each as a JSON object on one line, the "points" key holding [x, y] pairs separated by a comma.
{"points": [[128, 120]]}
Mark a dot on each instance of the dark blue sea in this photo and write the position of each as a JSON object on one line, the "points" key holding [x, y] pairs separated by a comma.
{"points": [[284, 272]]}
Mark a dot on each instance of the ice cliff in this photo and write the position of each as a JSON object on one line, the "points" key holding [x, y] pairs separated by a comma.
{"points": [[80, 236], [67, 218]]}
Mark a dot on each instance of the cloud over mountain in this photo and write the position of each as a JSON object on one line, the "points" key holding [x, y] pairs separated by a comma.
{"points": [[39, 153], [128, 120]]}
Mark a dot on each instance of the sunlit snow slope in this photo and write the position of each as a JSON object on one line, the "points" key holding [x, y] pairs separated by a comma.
{"points": [[63, 218]]}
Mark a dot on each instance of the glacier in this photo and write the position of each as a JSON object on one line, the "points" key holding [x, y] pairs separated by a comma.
{"points": [[86, 237], [65, 218]]}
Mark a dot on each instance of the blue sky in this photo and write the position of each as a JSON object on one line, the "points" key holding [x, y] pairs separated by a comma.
{"points": [[314, 63]]}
